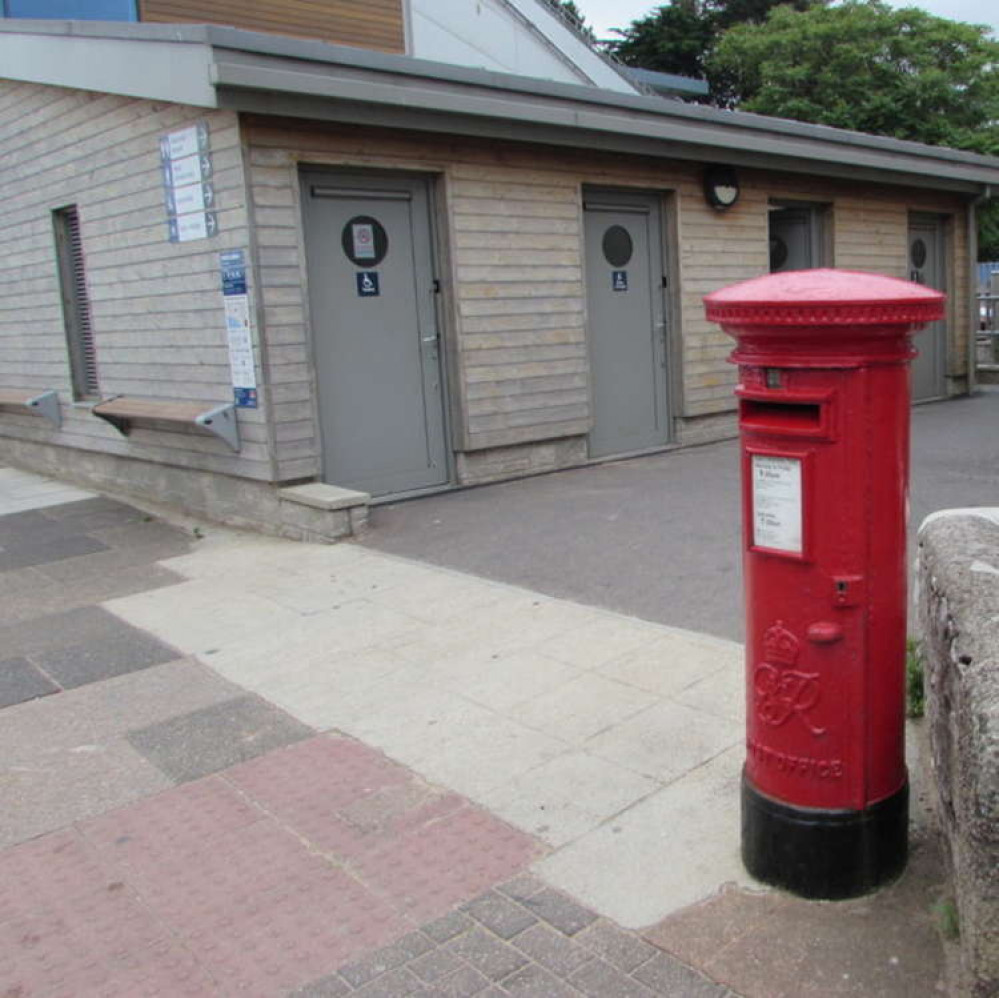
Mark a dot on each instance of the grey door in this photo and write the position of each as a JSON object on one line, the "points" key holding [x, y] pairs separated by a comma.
{"points": [[374, 329], [927, 266], [792, 239], [626, 319]]}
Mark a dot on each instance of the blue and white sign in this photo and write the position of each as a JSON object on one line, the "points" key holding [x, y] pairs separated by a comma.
{"points": [[196, 225], [239, 331], [619, 280], [187, 167], [367, 284], [232, 264], [186, 171], [185, 142], [194, 197]]}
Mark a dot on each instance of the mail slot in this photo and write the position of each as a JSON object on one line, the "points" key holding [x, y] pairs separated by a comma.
{"points": [[781, 416], [823, 391]]}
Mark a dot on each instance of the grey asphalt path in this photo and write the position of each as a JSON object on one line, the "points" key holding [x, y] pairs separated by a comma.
{"points": [[659, 537]]}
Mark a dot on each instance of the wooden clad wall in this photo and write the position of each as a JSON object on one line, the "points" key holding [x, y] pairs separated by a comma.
{"points": [[511, 224], [156, 306], [371, 24]]}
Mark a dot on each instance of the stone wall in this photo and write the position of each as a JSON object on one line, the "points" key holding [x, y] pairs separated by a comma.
{"points": [[959, 610]]}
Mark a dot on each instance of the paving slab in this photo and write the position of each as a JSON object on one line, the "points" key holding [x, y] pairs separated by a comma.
{"points": [[189, 746], [22, 491], [18, 530], [61, 630], [20, 681], [62, 786], [123, 649], [772, 945], [96, 513], [42, 552], [672, 849], [106, 710], [563, 799], [83, 582]]}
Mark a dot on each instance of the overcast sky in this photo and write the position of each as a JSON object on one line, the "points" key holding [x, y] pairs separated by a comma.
{"points": [[606, 14]]}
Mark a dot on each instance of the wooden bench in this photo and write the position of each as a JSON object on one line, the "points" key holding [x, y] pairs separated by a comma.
{"points": [[121, 412], [45, 403]]}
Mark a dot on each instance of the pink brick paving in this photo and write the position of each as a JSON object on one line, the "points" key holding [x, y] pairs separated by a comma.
{"points": [[252, 882]]}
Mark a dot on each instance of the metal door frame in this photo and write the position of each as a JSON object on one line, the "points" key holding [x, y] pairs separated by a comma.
{"points": [[367, 179], [818, 226], [672, 378], [942, 239]]}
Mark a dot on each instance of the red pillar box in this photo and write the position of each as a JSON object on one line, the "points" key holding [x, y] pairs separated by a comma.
{"points": [[823, 393]]}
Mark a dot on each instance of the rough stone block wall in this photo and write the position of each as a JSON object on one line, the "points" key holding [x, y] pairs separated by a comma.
{"points": [[959, 610]]}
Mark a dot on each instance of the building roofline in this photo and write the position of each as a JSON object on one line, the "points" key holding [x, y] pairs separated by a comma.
{"points": [[666, 83], [253, 71]]}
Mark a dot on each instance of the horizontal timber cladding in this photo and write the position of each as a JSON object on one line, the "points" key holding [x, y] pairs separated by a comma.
{"points": [[516, 318], [373, 24], [156, 307]]}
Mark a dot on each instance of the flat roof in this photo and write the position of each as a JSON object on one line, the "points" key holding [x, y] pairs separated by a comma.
{"points": [[248, 71]]}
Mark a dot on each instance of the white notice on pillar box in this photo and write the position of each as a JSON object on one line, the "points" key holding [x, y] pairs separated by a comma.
{"points": [[777, 503]]}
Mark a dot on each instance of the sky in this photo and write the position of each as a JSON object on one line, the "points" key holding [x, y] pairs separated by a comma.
{"points": [[606, 14]]}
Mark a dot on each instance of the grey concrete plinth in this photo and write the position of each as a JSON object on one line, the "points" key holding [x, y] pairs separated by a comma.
{"points": [[322, 513]]}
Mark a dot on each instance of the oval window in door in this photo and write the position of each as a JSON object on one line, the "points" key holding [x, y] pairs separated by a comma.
{"points": [[617, 246], [918, 253]]}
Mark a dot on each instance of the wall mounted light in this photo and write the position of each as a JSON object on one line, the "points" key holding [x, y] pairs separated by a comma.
{"points": [[721, 186]]}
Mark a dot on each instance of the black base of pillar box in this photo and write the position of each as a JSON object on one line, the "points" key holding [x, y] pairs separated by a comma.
{"points": [[824, 854]]}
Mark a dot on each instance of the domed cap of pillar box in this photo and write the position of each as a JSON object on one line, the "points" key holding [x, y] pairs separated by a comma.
{"points": [[838, 312]]}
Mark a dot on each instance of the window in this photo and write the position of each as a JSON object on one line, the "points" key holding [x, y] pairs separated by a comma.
{"points": [[75, 304], [72, 10], [796, 236]]}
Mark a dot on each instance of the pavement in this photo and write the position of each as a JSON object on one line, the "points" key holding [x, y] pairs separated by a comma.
{"points": [[659, 537], [237, 765]]}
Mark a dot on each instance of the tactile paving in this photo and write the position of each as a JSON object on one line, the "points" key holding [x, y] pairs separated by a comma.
{"points": [[56, 868], [330, 769], [175, 822], [431, 868], [254, 881]]}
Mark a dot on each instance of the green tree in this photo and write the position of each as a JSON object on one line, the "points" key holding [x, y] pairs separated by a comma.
{"points": [[866, 67], [674, 38], [679, 36]]}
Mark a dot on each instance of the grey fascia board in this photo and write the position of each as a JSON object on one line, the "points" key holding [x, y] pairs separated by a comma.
{"points": [[920, 165], [414, 119], [155, 70]]}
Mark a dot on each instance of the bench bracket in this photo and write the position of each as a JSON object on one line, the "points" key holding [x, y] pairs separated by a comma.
{"points": [[222, 422], [47, 405]]}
